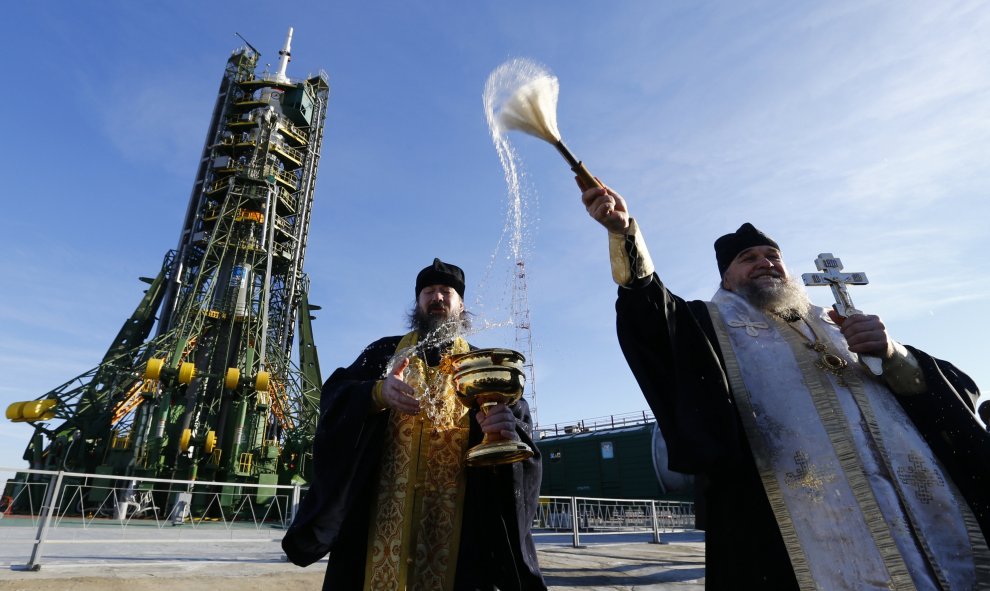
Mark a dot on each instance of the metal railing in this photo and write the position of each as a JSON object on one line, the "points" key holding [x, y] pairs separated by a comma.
{"points": [[77, 508], [586, 516], [629, 419], [159, 518]]}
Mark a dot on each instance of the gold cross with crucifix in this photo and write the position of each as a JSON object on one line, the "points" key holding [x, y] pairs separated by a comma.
{"points": [[833, 277]]}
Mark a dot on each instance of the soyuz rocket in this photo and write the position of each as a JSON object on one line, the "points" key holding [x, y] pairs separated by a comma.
{"points": [[201, 381]]}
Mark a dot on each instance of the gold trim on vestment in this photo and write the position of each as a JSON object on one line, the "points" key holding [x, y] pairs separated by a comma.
{"points": [[837, 429], [799, 561], [415, 524], [629, 261], [981, 551]]}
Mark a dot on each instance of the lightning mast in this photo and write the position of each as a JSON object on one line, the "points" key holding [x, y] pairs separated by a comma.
{"points": [[524, 334]]}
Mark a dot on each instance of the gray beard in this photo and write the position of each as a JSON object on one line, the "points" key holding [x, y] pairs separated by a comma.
{"points": [[784, 297]]}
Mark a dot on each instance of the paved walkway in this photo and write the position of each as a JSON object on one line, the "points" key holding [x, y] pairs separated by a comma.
{"points": [[675, 565], [626, 567]]}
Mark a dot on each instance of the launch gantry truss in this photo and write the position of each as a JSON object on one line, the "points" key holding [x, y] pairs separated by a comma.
{"points": [[200, 382]]}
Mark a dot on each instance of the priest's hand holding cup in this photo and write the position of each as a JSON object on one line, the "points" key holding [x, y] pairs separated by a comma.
{"points": [[607, 207], [498, 419], [396, 393], [865, 334]]}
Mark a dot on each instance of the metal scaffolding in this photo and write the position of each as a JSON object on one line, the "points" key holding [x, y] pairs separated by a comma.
{"points": [[200, 382]]}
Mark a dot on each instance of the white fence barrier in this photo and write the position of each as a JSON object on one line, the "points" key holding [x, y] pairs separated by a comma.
{"points": [[154, 517], [77, 508], [611, 516]]}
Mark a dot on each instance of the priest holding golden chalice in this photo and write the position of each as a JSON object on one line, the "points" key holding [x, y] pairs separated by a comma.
{"points": [[393, 500]]}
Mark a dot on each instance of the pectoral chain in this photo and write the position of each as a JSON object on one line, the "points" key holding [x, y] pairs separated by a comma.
{"points": [[829, 362]]}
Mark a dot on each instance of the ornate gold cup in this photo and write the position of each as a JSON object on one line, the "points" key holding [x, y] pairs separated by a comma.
{"points": [[482, 379]]}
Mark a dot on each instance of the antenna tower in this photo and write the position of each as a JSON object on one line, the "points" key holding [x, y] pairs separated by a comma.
{"points": [[524, 336]]}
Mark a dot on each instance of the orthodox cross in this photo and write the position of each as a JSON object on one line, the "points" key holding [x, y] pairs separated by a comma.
{"points": [[749, 325], [833, 277]]}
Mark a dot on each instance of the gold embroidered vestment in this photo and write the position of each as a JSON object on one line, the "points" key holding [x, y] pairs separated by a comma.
{"points": [[414, 531]]}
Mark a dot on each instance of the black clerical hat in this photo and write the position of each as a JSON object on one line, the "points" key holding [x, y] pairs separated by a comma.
{"points": [[441, 273], [728, 246]]}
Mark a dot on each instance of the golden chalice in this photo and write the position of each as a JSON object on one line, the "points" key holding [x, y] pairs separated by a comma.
{"points": [[482, 379]]}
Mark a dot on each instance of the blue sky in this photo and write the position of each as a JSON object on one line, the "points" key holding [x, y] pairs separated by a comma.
{"points": [[853, 127]]}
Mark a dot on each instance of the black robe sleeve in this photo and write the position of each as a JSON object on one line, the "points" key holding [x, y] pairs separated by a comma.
{"points": [[679, 369], [945, 417], [500, 504], [671, 348], [346, 452]]}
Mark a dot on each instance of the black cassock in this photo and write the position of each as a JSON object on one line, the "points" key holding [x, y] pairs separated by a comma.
{"points": [[671, 347], [500, 502]]}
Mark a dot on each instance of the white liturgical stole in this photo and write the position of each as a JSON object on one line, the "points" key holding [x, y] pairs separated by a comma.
{"points": [[861, 501]]}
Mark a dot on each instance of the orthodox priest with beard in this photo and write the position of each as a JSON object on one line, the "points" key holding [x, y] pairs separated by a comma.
{"points": [[391, 500], [812, 472]]}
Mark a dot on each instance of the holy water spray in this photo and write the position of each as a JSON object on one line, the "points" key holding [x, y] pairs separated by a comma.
{"points": [[522, 95]]}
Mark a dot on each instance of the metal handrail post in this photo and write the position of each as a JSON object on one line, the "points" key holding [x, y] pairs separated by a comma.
{"points": [[575, 523], [49, 506], [656, 523], [296, 494]]}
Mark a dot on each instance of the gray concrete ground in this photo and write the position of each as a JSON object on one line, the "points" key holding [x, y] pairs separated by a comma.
{"points": [[612, 562]]}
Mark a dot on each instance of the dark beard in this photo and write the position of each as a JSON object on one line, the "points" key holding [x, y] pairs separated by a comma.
{"points": [[438, 328], [783, 297]]}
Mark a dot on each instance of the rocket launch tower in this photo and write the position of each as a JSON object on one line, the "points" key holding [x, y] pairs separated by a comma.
{"points": [[200, 382]]}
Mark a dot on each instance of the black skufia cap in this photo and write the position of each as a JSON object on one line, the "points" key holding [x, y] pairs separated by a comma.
{"points": [[441, 273], [730, 245]]}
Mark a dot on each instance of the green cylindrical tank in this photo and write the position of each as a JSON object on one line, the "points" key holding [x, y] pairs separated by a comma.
{"points": [[626, 462]]}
